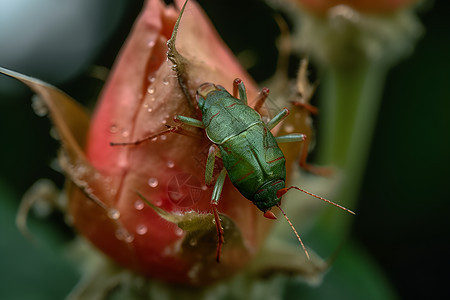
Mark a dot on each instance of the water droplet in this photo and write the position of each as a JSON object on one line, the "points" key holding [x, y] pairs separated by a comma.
{"points": [[163, 137], [141, 229], [158, 202], [114, 214], [125, 133], [165, 81], [204, 187], [113, 128], [152, 182], [170, 164], [151, 90], [54, 133], [193, 242], [39, 106], [145, 105], [289, 128], [152, 99], [80, 170], [151, 78], [151, 43], [164, 122], [179, 231], [139, 205], [193, 272], [149, 109], [123, 235], [128, 238]]}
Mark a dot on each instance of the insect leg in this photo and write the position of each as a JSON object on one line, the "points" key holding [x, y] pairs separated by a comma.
{"points": [[277, 119], [189, 121], [290, 138], [239, 89], [214, 152], [311, 108], [261, 99], [217, 191]]}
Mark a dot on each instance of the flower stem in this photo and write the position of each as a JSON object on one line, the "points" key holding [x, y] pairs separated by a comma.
{"points": [[349, 108]]}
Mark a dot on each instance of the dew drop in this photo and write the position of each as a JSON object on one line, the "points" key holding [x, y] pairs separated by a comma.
{"points": [[193, 242], [170, 164], [113, 192], [179, 231], [158, 202], [113, 128], [54, 133], [128, 238], [125, 133], [193, 272], [163, 137], [152, 99], [204, 187], [141, 229], [114, 214], [289, 128], [151, 90], [139, 205], [152, 182], [149, 109], [151, 78], [39, 106], [164, 121], [165, 81], [123, 235], [151, 43]]}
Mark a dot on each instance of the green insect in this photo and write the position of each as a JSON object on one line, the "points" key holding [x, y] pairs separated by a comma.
{"points": [[249, 152]]}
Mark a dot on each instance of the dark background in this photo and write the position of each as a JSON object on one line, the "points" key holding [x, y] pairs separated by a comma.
{"points": [[402, 218]]}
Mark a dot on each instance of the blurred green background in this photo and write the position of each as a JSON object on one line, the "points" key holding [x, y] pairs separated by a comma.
{"points": [[403, 205]]}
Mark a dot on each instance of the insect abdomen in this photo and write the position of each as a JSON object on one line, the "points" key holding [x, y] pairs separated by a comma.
{"points": [[253, 158]]}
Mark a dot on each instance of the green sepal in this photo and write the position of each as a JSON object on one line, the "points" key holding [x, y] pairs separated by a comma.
{"points": [[200, 238]]}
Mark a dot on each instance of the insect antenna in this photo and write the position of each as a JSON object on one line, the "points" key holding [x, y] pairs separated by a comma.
{"points": [[283, 191], [295, 231]]}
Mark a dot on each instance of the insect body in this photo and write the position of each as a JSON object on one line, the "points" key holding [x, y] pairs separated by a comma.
{"points": [[250, 153]]}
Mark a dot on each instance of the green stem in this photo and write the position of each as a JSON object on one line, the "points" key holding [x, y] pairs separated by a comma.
{"points": [[348, 114]]}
